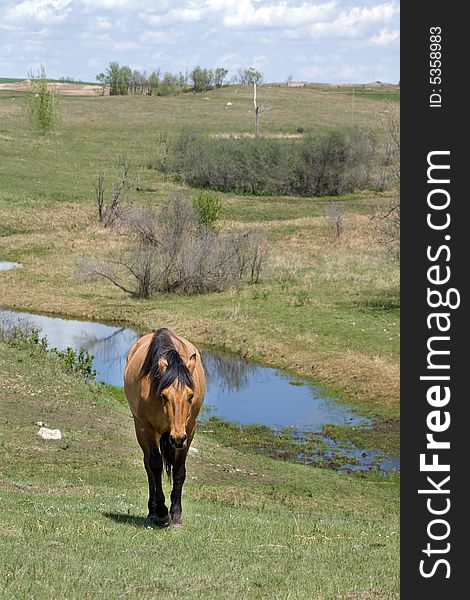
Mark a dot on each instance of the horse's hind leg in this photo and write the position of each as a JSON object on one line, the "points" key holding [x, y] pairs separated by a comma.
{"points": [[179, 475]]}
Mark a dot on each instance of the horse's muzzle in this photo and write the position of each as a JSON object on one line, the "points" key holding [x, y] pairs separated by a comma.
{"points": [[179, 442]]}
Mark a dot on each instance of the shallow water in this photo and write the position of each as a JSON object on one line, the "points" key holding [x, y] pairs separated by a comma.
{"points": [[6, 265], [108, 344], [245, 392], [237, 390]]}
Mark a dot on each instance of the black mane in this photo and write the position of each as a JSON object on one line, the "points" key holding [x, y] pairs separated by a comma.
{"points": [[162, 345]]}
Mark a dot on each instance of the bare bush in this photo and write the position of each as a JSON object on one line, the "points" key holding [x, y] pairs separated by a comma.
{"points": [[387, 226], [335, 217], [249, 251], [11, 326], [172, 252], [108, 214], [387, 213], [389, 122]]}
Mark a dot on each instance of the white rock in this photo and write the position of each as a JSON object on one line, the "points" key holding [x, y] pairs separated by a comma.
{"points": [[50, 434], [40, 423], [229, 104], [193, 450]]}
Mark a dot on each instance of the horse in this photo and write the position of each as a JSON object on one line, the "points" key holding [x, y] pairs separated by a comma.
{"points": [[165, 385]]}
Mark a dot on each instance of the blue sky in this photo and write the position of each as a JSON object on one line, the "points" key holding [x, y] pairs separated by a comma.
{"points": [[338, 42]]}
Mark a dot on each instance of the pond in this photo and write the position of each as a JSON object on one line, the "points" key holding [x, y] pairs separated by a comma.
{"points": [[237, 390], [6, 265]]}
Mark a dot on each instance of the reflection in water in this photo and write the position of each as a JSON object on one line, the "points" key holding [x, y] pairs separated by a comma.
{"points": [[108, 345], [227, 372], [109, 351], [244, 392]]}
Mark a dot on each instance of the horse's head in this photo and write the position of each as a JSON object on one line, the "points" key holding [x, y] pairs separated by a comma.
{"points": [[177, 398]]}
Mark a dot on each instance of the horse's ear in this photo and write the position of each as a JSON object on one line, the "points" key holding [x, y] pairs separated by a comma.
{"points": [[162, 364], [192, 363]]}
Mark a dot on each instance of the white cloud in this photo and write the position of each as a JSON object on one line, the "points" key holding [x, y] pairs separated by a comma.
{"points": [[385, 37], [177, 15], [103, 23], [124, 46], [228, 59], [259, 62], [353, 23], [244, 14], [157, 37], [50, 11], [112, 5]]}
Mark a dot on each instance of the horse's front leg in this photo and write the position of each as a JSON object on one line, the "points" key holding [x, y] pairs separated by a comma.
{"points": [[158, 512], [179, 475]]}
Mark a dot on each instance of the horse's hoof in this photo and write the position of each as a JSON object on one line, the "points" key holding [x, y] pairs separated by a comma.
{"points": [[176, 520], [153, 521]]}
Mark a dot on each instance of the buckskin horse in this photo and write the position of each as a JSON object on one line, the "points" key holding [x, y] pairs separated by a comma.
{"points": [[165, 385]]}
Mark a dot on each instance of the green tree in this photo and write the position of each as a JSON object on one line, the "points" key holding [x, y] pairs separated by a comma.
{"points": [[119, 79], [112, 78], [219, 76], [101, 79], [153, 82], [125, 78], [202, 79], [249, 76], [42, 102], [253, 76]]}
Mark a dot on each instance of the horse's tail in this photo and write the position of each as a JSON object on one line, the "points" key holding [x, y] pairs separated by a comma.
{"points": [[167, 452]]}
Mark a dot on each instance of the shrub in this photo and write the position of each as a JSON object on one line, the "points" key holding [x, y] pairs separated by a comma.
{"points": [[172, 252], [209, 209], [335, 217], [109, 213], [80, 363], [42, 102], [328, 164]]}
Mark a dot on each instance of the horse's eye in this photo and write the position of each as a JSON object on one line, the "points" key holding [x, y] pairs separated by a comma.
{"points": [[164, 398], [190, 398]]}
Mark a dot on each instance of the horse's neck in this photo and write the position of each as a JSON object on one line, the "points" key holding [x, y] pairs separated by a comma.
{"points": [[184, 348]]}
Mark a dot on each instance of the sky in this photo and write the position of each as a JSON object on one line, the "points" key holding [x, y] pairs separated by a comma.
{"points": [[346, 41]]}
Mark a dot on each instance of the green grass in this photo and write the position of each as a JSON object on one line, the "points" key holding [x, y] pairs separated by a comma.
{"points": [[325, 309], [387, 95], [73, 510]]}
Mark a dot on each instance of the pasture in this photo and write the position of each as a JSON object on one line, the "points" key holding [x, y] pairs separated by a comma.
{"points": [[325, 308], [73, 510]]}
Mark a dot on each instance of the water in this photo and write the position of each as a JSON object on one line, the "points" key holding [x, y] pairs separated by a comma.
{"points": [[245, 392], [108, 344], [237, 390], [6, 265]]}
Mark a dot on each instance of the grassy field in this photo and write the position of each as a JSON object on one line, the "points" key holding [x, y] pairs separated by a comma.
{"points": [[73, 510], [326, 309]]}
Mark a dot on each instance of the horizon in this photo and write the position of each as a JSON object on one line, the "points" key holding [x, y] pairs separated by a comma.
{"points": [[293, 83]]}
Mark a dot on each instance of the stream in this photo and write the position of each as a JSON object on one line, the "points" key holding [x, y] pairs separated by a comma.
{"points": [[238, 391]]}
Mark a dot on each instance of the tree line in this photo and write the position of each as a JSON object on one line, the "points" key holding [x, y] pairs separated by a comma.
{"points": [[121, 80]]}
